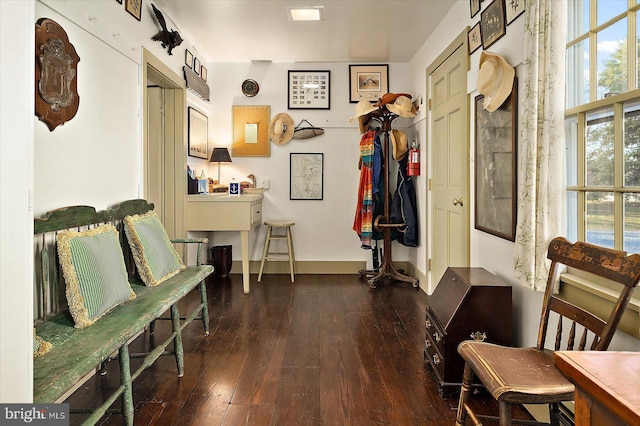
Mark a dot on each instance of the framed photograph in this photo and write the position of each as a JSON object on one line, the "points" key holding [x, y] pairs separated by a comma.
{"points": [[309, 90], [198, 134], [251, 131], [474, 6], [474, 38], [368, 82], [513, 9], [495, 167], [196, 65], [203, 72], [306, 176], [492, 23], [134, 7], [188, 58]]}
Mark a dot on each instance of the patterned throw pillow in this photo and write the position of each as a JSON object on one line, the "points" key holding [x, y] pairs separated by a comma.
{"points": [[94, 272], [154, 255], [40, 346]]}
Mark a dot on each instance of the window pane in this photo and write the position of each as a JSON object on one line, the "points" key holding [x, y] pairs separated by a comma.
{"points": [[632, 143], [577, 74], [571, 150], [572, 215], [600, 218], [631, 241], [578, 18], [612, 59], [637, 51], [607, 9], [599, 148]]}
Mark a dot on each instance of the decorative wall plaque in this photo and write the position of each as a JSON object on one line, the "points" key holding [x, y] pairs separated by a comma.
{"points": [[56, 80]]}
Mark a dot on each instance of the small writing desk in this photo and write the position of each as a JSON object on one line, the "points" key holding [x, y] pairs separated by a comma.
{"points": [[222, 212], [606, 386]]}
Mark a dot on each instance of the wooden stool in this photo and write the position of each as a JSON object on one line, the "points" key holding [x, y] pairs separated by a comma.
{"points": [[267, 255]]}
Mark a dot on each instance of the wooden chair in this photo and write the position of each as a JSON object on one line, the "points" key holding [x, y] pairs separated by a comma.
{"points": [[528, 375]]}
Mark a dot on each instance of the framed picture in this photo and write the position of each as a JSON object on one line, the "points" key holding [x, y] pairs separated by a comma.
{"points": [[495, 167], [203, 72], [198, 134], [134, 7], [196, 65], [474, 6], [309, 89], [306, 176], [492, 23], [188, 58], [474, 38], [368, 82], [513, 9], [250, 131]]}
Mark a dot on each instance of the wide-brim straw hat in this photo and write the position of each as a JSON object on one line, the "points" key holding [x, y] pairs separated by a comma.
{"points": [[281, 128], [403, 107], [400, 144], [495, 80], [363, 108]]}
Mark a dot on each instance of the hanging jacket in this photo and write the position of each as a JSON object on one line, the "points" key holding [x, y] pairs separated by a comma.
{"points": [[404, 207]]}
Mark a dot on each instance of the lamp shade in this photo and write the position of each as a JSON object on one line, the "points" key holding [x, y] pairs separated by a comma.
{"points": [[220, 155]]}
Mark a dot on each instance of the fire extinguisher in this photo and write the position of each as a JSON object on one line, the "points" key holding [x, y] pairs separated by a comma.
{"points": [[413, 167]]}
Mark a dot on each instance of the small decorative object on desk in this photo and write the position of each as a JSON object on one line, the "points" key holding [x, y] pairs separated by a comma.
{"points": [[234, 188]]}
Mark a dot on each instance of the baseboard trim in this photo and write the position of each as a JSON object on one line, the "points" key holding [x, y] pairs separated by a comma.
{"points": [[314, 267]]}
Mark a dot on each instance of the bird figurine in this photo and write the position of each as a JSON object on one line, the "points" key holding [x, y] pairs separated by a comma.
{"points": [[169, 39]]}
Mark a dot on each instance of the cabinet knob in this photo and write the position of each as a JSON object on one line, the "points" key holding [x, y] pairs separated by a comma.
{"points": [[427, 343], [428, 323], [436, 359], [437, 337]]}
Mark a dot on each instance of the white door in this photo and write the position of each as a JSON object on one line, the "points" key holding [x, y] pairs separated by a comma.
{"points": [[450, 163]]}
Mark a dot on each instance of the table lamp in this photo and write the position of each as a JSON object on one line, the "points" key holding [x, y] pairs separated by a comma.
{"points": [[220, 155]]}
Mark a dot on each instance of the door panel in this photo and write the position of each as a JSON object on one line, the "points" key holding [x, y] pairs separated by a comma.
{"points": [[450, 163]]}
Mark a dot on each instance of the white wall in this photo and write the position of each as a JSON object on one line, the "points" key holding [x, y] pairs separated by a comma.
{"points": [[323, 229], [16, 224]]}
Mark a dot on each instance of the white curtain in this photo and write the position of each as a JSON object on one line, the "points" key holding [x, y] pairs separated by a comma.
{"points": [[541, 147]]}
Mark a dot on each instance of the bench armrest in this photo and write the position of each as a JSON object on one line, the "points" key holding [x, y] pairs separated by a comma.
{"points": [[199, 241]]}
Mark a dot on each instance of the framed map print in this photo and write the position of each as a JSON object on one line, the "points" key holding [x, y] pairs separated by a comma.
{"points": [[306, 176]]}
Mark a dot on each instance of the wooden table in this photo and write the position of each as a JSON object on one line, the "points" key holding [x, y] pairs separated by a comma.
{"points": [[607, 386], [222, 212]]}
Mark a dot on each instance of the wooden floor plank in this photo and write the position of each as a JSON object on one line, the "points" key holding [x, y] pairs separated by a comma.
{"points": [[327, 350]]}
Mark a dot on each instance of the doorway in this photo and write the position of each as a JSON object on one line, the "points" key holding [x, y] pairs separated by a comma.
{"points": [[449, 124], [164, 148]]}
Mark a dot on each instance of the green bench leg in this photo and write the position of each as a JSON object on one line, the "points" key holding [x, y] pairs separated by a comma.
{"points": [[205, 307], [125, 380], [179, 350]]}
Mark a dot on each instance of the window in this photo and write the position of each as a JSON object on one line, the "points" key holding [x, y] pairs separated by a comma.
{"points": [[602, 125], [602, 131]]}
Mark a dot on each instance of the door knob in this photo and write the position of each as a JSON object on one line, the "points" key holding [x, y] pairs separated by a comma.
{"points": [[458, 201]]}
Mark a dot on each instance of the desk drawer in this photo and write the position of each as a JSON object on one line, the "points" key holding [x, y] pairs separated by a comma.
{"points": [[256, 214]]}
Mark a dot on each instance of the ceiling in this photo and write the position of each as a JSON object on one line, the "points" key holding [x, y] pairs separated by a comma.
{"points": [[352, 31]]}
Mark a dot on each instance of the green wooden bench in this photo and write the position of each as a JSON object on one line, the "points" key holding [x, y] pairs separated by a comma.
{"points": [[76, 352]]}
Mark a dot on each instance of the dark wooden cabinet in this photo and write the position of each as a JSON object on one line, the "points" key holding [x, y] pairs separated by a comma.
{"points": [[466, 302]]}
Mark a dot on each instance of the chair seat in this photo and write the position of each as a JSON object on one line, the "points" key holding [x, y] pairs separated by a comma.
{"points": [[279, 223], [517, 375]]}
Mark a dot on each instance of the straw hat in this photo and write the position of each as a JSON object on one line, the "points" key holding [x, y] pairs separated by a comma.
{"points": [[403, 107], [399, 143], [495, 80], [281, 128], [363, 108]]}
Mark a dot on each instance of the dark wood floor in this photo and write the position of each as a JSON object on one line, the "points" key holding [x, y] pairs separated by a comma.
{"points": [[327, 350]]}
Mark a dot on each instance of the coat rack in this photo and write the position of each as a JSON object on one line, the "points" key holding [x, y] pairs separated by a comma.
{"points": [[382, 223]]}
